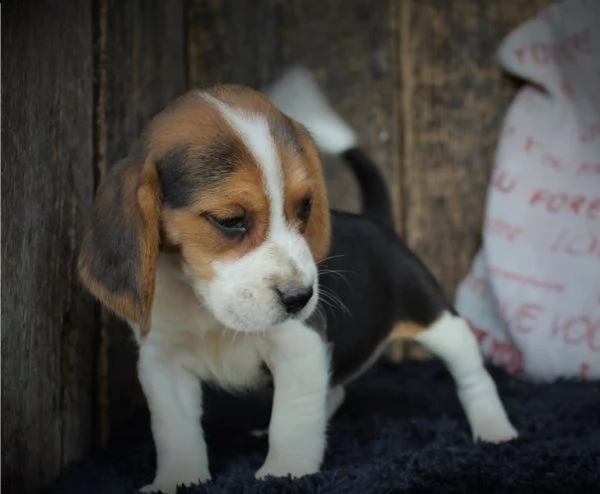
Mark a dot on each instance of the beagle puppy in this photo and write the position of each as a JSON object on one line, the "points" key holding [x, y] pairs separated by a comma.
{"points": [[215, 241]]}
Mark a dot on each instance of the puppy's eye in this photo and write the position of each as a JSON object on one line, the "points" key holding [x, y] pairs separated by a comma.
{"points": [[234, 227], [304, 209]]}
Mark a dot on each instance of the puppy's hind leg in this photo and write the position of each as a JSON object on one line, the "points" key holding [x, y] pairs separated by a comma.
{"points": [[451, 339]]}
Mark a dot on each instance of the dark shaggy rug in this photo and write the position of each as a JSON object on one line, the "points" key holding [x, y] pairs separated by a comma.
{"points": [[400, 430]]}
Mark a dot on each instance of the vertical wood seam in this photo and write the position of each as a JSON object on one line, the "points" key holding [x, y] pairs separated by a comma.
{"points": [[188, 50], [100, 169], [100, 129], [136, 64], [398, 164], [406, 124]]}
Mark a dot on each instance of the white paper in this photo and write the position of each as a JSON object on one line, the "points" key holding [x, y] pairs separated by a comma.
{"points": [[533, 293]]}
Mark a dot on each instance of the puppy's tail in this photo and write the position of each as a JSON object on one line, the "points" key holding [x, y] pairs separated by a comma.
{"points": [[298, 95]]}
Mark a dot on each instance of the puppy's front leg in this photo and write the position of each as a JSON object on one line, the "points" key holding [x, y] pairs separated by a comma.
{"points": [[299, 361], [174, 398]]}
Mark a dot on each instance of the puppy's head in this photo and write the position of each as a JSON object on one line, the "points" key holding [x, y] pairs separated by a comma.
{"points": [[235, 189]]}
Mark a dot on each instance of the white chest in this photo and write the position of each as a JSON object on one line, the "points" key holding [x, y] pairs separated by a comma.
{"points": [[182, 329]]}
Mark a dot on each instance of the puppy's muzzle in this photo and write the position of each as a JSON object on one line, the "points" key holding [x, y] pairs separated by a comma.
{"points": [[295, 299]]}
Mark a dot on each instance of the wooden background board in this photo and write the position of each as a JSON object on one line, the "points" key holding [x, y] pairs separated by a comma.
{"points": [[453, 100], [47, 320], [417, 79]]}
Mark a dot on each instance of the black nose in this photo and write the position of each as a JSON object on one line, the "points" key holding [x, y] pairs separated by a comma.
{"points": [[295, 300]]}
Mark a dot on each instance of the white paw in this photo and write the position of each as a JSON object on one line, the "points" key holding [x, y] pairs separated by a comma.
{"points": [[486, 414], [168, 484], [281, 470], [490, 424], [497, 431], [154, 488]]}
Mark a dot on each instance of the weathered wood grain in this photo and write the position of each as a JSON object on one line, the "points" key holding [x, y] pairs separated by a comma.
{"points": [[47, 185], [454, 97], [141, 68], [349, 45]]}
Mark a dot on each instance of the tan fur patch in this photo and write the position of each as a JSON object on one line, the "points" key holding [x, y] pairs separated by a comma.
{"points": [[318, 227], [303, 177], [189, 119], [406, 330], [200, 242], [148, 196], [402, 347]]}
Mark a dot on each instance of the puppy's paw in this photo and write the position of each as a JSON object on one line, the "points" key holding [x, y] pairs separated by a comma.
{"points": [[490, 423], [167, 484], [486, 413], [282, 470], [155, 488], [495, 432]]}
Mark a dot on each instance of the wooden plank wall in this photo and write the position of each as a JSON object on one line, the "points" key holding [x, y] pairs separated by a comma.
{"points": [[454, 97], [418, 80], [47, 186]]}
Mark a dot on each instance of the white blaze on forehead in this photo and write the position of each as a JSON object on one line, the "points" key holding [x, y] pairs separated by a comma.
{"points": [[255, 132], [243, 293]]}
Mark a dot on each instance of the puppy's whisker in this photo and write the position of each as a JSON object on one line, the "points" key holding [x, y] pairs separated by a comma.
{"points": [[221, 337], [325, 270], [327, 303], [337, 300], [329, 258], [337, 272], [333, 300], [320, 311]]}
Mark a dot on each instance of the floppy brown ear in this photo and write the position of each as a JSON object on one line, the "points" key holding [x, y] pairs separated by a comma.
{"points": [[117, 260]]}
